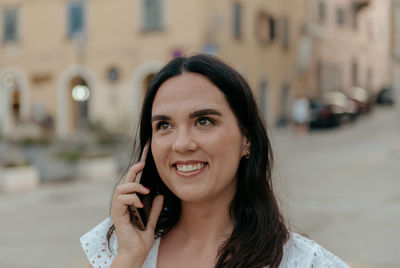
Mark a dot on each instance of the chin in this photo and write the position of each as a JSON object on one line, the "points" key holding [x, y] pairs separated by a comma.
{"points": [[190, 195]]}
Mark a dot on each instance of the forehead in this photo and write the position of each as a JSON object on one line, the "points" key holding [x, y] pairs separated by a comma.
{"points": [[189, 91]]}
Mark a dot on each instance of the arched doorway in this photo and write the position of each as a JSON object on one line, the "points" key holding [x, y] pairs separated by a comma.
{"points": [[146, 82], [79, 104], [14, 91], [16, 106], [140, 81]]}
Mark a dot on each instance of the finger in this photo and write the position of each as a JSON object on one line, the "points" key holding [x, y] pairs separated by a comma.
{"points": [[130, 199], [131, 187], [155, 212], [120, 205], [120, 212], [133, 171]]}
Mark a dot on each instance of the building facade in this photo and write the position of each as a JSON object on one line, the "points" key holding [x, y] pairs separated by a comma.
{"points": [[396, 49], [90, 60], [350, 45], [83, 61]]}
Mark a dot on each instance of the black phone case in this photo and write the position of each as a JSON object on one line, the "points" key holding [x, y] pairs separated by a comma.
{"points": [[139, 216]]}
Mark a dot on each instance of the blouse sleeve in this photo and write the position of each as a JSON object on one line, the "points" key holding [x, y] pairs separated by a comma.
{"points": [[303, 252], [95, 245]]}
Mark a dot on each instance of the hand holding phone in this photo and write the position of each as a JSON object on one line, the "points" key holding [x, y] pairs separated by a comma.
{"points": [[139, 216], [135, 226]]}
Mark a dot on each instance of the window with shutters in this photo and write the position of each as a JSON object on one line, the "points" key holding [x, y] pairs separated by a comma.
{"points": [[153, 15], [10, 25], [76, 18]]}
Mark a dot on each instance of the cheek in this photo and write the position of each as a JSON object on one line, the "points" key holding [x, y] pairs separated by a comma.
{"points": [[159, 149], [228, 146], [231, 139], [156, 149]]}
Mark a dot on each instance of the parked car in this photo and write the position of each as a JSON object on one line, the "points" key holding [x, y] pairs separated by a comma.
{"points": [[361, 98], [386, 96], [331, 109]]}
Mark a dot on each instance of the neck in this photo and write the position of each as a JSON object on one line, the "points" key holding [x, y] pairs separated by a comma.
{"points": [[207, 221]]}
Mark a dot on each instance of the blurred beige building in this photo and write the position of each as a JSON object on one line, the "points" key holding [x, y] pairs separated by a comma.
{"points": [[350, 45], [112, 48], [104, 53], [396, 47]]}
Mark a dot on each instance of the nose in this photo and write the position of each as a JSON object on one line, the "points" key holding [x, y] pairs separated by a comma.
{"points": [[184, 142]]}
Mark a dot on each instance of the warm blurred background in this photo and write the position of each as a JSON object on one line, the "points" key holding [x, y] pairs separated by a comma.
{"points": [[72, 78]]}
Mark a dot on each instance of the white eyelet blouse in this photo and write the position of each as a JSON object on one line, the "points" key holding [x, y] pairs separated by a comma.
{"points": [[299, 251]]}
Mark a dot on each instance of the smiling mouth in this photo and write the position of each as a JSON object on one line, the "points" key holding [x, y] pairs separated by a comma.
{"points": [[190, 167]]}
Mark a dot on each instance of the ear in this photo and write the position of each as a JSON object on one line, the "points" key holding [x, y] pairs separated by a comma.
{"points": [[245, 146]]}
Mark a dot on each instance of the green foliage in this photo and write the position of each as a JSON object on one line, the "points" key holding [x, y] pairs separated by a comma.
{"points": [[103, 135], [73, 156], [69, 156], [35, 141]]}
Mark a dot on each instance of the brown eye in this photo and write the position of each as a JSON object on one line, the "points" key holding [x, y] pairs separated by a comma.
{"points": [[163, 125], [204, 121]]}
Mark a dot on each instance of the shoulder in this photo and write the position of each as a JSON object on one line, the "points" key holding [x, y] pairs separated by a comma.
{"points": [[303, 252]]}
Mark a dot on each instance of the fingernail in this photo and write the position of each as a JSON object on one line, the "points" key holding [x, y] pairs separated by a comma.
{"points": [[147, 189], [141, 203]]}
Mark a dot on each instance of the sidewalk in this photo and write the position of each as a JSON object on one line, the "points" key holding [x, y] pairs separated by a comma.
{"points": [[41, 229]]}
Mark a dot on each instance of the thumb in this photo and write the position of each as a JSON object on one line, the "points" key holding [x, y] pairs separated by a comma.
{"points": [[156, 208]]}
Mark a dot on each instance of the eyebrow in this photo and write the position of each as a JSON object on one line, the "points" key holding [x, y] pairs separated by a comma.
{"points": [[191, 115], [204, 112], [160, 118]]}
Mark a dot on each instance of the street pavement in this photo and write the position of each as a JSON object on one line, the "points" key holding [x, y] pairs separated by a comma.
{"points": [[340, 187]]}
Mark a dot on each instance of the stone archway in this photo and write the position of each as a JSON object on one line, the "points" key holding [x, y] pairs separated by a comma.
{"points": [[78, 104], [140, 81], [13, 99], [146, 82], [68, 108]]}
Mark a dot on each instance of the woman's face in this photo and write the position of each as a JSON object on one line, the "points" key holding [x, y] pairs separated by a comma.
{"points": [[196, 143]]}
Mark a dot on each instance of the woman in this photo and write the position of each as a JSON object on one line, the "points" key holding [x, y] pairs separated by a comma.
{"points": [[212, 161]]}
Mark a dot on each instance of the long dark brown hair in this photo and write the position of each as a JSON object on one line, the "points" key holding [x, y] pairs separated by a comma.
{"points": [[260, 231]]}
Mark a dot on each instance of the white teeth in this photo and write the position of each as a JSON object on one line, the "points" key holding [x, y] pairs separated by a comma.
{"points": [[191, 167]]}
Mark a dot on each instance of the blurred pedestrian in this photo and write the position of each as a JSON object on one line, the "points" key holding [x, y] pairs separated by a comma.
{"points": [[301, 114], [210, 165]]}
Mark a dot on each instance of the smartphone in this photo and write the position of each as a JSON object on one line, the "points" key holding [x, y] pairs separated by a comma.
{"points": [[139, 216]]}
